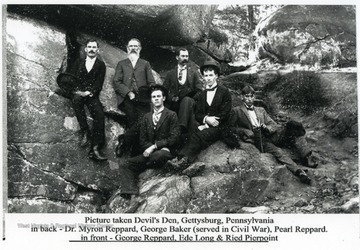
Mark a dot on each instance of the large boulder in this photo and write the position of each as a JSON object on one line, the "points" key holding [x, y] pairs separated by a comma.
{"points": [[314, 35], [42, 126], [152, 24]]}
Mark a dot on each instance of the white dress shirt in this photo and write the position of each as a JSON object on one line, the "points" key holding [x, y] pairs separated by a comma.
{"points": [[89, 63], [183, 71]]}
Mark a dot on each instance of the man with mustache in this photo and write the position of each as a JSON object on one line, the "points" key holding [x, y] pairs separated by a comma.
{"points": [[90, 73], [132, 76], [183, 83]]}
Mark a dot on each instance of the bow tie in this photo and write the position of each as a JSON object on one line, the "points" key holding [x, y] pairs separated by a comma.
{"points": [[212, 89], [250, 108]]}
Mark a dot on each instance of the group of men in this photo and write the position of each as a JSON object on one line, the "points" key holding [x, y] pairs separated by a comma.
{"points": [[183, 117]]}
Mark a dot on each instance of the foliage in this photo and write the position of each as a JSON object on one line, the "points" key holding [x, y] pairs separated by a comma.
{"points": [[239, 22], [302, 90]]}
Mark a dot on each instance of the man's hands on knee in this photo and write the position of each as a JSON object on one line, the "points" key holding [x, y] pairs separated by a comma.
{"points": [[149, 150]]}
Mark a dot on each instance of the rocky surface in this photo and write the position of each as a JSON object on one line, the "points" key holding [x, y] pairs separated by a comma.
{"points": [[314, 35], [152, 24], [48, 172]]}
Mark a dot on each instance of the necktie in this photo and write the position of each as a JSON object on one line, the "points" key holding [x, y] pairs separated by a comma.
{"points": [[212, 89], [250, 108], [156, 117], [181, 73]]}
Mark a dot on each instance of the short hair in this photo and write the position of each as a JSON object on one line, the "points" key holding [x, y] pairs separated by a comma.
{"points": [[247, 90], [207, 68], [92, 40], [134, 39], [158, 87], [180, 49]]}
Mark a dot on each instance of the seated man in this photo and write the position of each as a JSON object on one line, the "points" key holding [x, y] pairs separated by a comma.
{"points": [[159, 132], [213, 109], [254, 125]]}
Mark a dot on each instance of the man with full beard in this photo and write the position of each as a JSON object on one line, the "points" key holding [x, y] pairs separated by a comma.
{"points": [[132, 77]]}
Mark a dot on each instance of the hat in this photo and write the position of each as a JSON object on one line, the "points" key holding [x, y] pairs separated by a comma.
{"points": [[209, 63], [143, 94], [67, 82]]}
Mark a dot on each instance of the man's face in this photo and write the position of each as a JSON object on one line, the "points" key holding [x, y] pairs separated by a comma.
{"points": [[157, 99], [91, 49], [210, 77], [183, 57], [133, 47], [248, 99]]}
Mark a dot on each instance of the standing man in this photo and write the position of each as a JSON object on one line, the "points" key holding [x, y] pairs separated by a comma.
{"points": [[132, 76], [213, 109], [254, 125], [90, 73], [183, 84], [159, 133]]}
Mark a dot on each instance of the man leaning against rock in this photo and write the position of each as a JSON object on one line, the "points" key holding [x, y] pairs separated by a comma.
{"points": [[132, 78], [90, 73], [254, 125], [183, 83]]}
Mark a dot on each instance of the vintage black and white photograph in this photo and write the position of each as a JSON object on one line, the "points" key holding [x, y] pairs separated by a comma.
{"points": [[181, 109]]}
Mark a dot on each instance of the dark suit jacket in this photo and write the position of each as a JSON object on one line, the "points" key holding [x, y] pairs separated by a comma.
{"points": [[171, 82], [242, 120], [124, 73], [165, 134], [90, 81], [220, 107]]}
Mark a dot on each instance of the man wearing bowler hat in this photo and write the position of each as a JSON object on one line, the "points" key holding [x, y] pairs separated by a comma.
{"points": [[213, 109], [88, 79]]}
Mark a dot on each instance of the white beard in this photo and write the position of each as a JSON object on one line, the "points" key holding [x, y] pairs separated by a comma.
{"points": [[133, 57]]}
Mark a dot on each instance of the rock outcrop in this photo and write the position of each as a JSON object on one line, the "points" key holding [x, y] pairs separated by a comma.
{"points": [[49, 173], [314, 35], [152, 24]]}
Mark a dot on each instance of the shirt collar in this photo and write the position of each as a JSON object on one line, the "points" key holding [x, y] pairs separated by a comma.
{"points": [[159, 110], [182, 67], [212, 86], [90, 59]]}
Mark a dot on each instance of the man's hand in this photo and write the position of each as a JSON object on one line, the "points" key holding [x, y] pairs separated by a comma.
{"points": [[264, 127], [84, 93], [247, 133], [149, 151], [212, 121], [131, 95], [175, 99]]}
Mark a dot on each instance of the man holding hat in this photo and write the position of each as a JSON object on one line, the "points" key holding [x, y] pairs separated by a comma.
{"points": [[159, 132], [88, 79], [213, 109]]}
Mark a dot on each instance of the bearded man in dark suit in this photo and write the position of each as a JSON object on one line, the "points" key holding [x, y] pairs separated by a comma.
{"points": [[183, 83], [131, 76], [90, 73]]}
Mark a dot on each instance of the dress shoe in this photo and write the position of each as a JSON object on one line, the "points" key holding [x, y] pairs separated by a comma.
{"points": [[177, 163], [119, 150], [310, 161], [95, 154], [304, 178], [84, 139]]}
